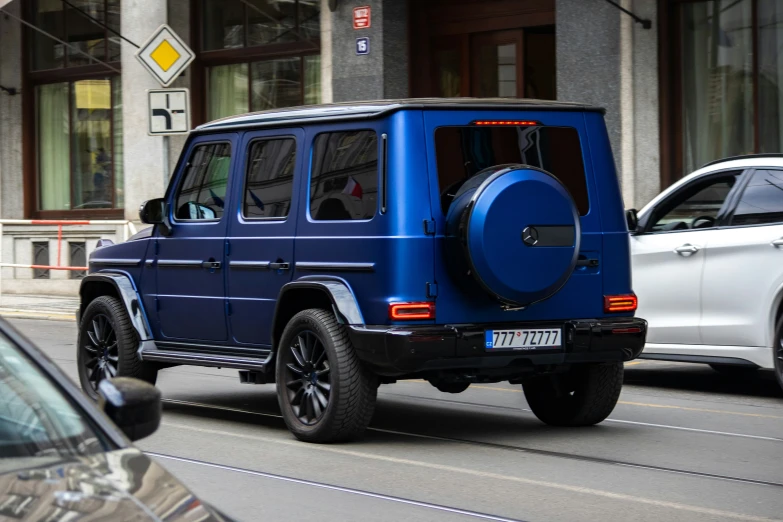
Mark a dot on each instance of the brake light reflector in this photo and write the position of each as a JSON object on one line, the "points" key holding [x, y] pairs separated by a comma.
{"points": [[515, 123], [411, 311], [620, 303]]}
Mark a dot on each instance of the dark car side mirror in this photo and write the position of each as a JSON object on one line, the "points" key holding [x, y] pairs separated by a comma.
{"points": [[133, 405], [632, 218], [153, 212]]}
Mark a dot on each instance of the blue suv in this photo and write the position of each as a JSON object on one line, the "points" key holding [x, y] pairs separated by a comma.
{"points": [[335, 248]]}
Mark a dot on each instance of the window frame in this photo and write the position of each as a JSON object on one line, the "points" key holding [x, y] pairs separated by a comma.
{"points": [[31, 79], [243, 55], [171, 196], [749, 173], [246, 171], [312, 139], [723, 213]]}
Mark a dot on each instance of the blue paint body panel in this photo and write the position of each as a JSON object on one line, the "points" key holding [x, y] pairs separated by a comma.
{"points": [[398, 255]]}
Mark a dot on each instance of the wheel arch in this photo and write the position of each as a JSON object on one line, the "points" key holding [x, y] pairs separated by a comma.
{"points": [[776, 312], [120, 286], [331, 294]]}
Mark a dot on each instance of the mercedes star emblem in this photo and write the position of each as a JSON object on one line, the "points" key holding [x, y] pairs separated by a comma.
{"points": [[530, 236]]}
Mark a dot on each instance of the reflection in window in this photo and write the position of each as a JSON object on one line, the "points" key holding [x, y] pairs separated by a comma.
{"points": [[91, 144], [717, 80], [270, 176], [762, 200], [202, 192], [695, 207], [276, 83], [449, 64], [228, 90], [344, 182], [497, 71]]}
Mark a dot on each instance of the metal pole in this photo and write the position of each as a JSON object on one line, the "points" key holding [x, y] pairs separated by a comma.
{"points": [[165, 162], [1, 260]]}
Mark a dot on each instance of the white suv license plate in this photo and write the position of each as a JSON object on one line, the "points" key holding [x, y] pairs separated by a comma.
{"points": [[532, 339]]}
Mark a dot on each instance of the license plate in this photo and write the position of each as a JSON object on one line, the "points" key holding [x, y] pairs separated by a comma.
{"points": [[532, 339]]}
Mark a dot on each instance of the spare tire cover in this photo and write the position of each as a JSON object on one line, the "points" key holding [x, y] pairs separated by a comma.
{"points": [[518, 230]]}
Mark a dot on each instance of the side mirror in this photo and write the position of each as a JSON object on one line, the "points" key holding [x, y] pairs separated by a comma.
{"points": [[632, 219], [152, 211], [133, 405]]}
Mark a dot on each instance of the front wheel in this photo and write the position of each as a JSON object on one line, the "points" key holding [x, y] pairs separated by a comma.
{"points": [[583, 396], [325, 392], [107, 346]]}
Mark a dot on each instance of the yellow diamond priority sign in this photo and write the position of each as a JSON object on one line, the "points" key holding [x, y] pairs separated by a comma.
{"points": [[165, 55]]}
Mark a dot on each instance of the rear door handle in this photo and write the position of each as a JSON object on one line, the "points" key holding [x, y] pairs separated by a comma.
{"points": [[211, 265], [686, 249], [279, 266], [777, 243]]}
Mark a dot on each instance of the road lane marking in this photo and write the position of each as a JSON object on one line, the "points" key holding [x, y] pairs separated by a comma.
{"points": [[380, 496], [645, 404], [477, 473]]}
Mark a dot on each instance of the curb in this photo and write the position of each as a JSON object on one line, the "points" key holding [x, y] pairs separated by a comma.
{"points": [[49, 315]]}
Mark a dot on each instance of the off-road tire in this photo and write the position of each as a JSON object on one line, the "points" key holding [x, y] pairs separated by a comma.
{"points": [[128, 363], [736, 371], [354, 388], [777, 351], [583, 396]]}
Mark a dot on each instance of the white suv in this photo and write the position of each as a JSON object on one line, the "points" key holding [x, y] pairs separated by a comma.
{"points": [[708, 267]]}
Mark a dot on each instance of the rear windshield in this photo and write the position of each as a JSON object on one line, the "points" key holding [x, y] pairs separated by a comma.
{"points": [[464, 151]]}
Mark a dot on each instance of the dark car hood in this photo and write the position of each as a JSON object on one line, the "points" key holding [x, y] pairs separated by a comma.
{"points": [[123, 485]]}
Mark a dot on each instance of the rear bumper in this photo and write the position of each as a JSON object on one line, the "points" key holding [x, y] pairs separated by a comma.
{"points": [[405, 350]]}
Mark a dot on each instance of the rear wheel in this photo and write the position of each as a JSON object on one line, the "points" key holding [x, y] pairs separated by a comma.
{"points": [[325, 392], [107, 346], [583, 396]]}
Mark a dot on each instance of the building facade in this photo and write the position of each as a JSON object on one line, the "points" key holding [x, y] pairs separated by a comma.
{"points": [[683, 81]]}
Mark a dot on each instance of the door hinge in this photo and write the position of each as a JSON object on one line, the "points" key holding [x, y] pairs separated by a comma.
{"points": [[429, 227], [228, 248], [228, 307], [432, 289]]}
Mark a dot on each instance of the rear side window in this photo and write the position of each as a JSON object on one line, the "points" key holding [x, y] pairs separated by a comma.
{"points": [[270, 177], [762, 200], [202, 192], [462, 152], [344, 179]]}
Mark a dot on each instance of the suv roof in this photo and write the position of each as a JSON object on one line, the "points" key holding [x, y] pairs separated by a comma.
{"points": [[376, 108]]}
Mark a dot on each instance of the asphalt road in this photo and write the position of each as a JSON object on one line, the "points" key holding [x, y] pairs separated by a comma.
{"points": [[685, 443]]}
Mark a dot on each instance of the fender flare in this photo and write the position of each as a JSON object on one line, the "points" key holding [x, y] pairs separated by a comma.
{"points": [[128, 294], [339, 292]]}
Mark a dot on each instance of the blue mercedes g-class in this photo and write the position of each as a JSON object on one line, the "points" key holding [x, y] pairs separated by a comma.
{"points": [[334, 248]]}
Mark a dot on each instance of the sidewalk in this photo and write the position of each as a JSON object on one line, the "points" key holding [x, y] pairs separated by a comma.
{"points": [[39, 307]]}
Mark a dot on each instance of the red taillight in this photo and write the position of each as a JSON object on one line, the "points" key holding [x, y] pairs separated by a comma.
{"points": [[411, 311], [626, 330], [515, 123], [620, 303]]}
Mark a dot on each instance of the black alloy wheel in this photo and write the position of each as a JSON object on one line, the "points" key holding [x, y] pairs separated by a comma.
{"points": [[777, 351], [308, 381], [101, 353]]}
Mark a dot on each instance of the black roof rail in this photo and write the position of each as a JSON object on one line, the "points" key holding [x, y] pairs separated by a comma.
{"points": [[744, 156]]}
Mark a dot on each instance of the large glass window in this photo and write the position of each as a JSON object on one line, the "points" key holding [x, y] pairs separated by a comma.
{"points": [[69, 23], [730, 80], [344, 179], [695, 206], [260, 54], [270, 178], [79, 145], [202, 191]]}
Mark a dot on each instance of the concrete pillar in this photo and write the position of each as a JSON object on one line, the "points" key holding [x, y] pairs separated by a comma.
{"points": [[383, 73], [145, 169], [604, 58], [11, 179]]}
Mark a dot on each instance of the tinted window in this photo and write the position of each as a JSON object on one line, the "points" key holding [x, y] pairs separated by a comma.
{"points": [[762, 200], [695, 206], [462, 152], [344, 180], [270, 176], [202, 192]]}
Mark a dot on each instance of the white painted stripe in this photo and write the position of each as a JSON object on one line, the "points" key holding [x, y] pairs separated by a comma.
{"points": [[352, 491], [476, 473]]}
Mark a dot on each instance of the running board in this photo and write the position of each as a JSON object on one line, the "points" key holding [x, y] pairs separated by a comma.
{"points": [[203, 359]]}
